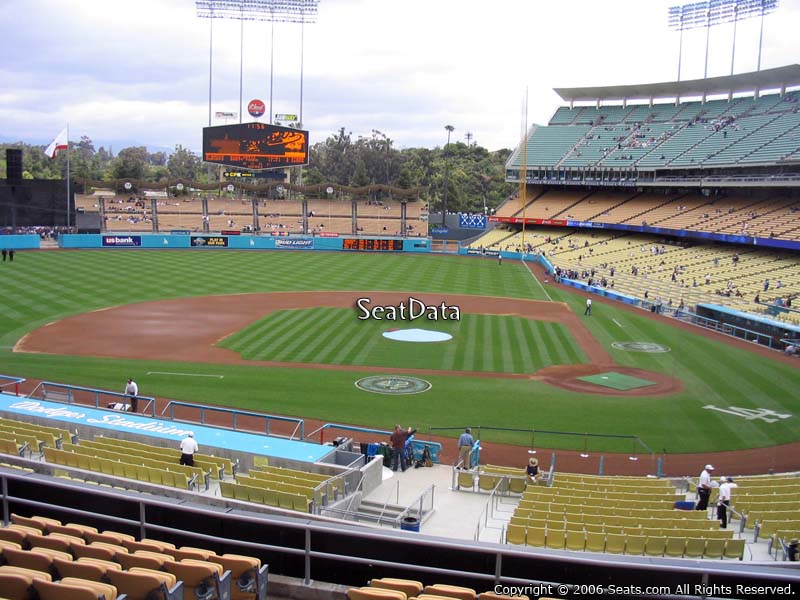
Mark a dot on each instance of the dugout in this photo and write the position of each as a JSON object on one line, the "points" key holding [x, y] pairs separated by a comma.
{"points": [[753, 328]]}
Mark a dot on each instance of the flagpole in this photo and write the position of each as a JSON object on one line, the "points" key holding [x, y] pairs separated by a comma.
{"points": [[68, 216]]}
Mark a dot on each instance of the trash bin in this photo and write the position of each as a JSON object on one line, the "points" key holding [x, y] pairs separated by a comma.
{"points": [[409, 524]]}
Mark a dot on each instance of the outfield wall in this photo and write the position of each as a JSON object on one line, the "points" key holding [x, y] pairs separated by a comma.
{"points": [[235, 242], [26, 241]]}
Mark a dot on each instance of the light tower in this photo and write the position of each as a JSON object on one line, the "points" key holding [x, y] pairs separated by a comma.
{"points": [[450, 130], [715, 12], [273, 11]]}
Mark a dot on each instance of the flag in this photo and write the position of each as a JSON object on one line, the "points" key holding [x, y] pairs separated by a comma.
{"points": [[60, 143]]}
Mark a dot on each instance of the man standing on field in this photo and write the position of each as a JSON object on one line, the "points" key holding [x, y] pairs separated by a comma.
{"points": [[588, 311]]}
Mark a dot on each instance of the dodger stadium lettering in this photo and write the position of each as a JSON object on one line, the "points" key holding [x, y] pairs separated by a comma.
{"points": [[115, 420]]}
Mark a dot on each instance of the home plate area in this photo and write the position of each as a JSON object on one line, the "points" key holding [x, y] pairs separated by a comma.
{"points": [[617, 381]]}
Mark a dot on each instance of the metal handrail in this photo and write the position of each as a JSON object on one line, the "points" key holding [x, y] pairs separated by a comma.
{"points": [[484, 514], [149, 401], [170, 407], [386, 503], [420, 498]]}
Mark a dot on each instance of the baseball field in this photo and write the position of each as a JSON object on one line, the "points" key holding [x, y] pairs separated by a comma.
{"points": [[279, 332]]}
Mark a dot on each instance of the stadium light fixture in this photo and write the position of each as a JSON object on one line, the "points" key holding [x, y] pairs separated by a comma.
{"points": [[450, 129], [716, 12], [273, 11], [279, 11]]}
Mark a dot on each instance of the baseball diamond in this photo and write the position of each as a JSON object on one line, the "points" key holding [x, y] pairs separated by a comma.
{"points": [[178, 318]]}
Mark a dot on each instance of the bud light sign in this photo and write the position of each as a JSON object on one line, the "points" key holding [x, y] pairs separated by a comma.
{"points": [[122, 241], [256, 108], [294, 243]]}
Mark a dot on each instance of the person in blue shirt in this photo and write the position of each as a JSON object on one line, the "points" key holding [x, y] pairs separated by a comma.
{"points": [[465, 443]]}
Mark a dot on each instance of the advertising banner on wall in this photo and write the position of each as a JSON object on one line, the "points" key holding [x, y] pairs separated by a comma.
{"points": [[294, 244], [472, 221], [482, 252], [554, 222], [122, 241], [209, 241]]}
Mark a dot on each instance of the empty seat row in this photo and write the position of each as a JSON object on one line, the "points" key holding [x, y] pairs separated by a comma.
{"points": [[387, 588], [608, 509], [47, 540], [264, 495], [102, 445], [675, 546], [26, 584], [622, 524], [174, 476]]}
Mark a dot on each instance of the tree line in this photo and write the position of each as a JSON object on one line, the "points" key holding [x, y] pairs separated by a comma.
{"points": [[475, 177]]}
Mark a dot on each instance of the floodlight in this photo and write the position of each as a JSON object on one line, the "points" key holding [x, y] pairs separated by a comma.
{"points": [[714, 12], [278, 11]]}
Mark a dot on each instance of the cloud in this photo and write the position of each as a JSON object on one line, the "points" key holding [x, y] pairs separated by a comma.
{"points": [[139, 71]]}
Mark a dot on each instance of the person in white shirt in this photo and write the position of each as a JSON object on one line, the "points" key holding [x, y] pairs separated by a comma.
{"points": [[188, 448], [704, 488], [132, 391], [588, 310], [724, 500]]}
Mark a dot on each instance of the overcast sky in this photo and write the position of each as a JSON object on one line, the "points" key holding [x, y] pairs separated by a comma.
{"points": [[127, 73]]}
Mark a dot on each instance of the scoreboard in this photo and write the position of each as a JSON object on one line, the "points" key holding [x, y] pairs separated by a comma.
{"points": [[255, 146], [372, 245]]}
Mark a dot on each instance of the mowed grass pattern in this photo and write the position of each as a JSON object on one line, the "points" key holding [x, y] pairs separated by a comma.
{"points": [[40, 287], [488, 343]]}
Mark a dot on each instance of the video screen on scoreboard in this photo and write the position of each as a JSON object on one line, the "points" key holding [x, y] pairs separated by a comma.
{"points": [[255, 146]]}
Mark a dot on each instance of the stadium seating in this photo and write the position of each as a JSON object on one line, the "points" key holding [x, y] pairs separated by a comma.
{"points": [[128, 466], [718, 132], [275, 215], [618, 515], [591, 249], [128, 569]]}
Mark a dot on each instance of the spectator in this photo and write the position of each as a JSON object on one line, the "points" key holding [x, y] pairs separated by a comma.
{"points": [[704, 488], [132, 392], [532, 471], [188, 449], [465, 443], [724, 500], [792, 551], [398, 442]]}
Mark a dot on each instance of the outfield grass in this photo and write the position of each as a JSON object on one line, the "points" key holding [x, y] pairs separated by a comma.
{"points": [[40, 287], [488, 343]]}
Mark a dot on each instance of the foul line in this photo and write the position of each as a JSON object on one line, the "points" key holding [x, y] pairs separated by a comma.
{"points": [[537, 280], [618, 323], [185, 374]]}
